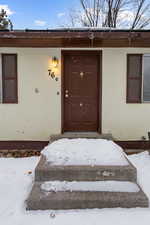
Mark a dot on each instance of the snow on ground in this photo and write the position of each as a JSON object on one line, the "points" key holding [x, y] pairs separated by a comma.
{"points": [[114, 186], [15, 184], [84, 152]]}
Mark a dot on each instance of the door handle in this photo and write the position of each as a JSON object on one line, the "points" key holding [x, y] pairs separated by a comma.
{"points": [[66, 95]]}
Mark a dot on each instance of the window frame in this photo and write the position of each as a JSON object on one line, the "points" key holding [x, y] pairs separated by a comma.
{"points": [[1, 88], [142, 78], [142, 100]]}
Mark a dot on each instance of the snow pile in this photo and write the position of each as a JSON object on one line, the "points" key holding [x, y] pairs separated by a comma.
{"points": [[16, 176], [84, 152], [111, 186], [142, 163], [15, 185]]}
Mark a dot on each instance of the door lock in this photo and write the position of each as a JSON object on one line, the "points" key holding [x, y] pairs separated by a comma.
{"points": [[81, 104], [81, 74]]}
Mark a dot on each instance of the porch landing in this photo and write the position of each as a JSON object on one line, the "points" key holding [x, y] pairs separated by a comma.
{"points": [[71, 135]]}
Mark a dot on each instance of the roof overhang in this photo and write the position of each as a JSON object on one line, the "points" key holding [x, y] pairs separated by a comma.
{"points": [[76, 38]]}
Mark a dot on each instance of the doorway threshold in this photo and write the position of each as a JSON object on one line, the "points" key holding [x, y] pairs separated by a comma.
{"points": [[73, 135]]}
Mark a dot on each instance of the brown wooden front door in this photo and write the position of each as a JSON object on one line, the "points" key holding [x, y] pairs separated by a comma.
{"points": [[81, 90]]}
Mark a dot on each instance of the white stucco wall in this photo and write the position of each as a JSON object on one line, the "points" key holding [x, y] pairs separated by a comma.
{"points": [[124, 121], [38, 115]]}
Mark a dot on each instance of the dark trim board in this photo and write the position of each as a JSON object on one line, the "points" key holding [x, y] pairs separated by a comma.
{"points": [[75, 38], [20, 145], [39, 145], [138, 144]]}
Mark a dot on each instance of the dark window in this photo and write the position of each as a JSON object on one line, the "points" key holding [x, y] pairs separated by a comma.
{"points": [[9, 78], [134, 78]]}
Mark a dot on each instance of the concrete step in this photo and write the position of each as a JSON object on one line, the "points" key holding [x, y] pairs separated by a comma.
{"points": [[72, 135], [45, 200], [46, 172]]}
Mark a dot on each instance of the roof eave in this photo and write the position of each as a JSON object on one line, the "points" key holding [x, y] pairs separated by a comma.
{"points": [[98, 38]]}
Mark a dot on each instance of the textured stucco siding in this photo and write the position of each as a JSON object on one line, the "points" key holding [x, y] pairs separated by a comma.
{"points": [[38, 112]]}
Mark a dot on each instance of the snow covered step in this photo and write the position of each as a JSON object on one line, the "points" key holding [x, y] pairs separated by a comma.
{"points": [[58, 195], [111, 186], [47, 172]]}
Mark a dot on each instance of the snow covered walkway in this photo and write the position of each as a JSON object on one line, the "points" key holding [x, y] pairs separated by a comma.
{"points": [[15, 185]]}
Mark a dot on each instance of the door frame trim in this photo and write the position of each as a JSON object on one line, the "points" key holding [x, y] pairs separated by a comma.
{"points": [[99, 97]]}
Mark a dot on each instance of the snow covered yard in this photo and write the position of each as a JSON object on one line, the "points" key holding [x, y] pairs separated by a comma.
{"points": [[15, 184]]}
